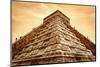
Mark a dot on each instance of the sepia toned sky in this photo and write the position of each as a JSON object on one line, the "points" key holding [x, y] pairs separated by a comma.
{"points": [[28, 15]]}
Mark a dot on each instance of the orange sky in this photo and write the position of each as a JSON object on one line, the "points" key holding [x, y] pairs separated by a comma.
{"points": [[27, 15]]}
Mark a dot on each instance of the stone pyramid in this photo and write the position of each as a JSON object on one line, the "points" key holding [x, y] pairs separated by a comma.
{"points": [[55, 41]]}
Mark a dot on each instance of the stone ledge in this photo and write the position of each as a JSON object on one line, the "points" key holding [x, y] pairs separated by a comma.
{"points": [[53, 60]]}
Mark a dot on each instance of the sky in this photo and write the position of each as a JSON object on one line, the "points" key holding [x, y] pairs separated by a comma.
{"points": [[28, 15]]}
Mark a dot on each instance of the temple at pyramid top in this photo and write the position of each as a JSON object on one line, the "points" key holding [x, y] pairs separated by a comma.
{"points": [[57, 13]]}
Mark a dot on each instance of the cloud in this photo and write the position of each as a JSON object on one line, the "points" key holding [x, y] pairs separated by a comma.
{"points": [[27, 15]]}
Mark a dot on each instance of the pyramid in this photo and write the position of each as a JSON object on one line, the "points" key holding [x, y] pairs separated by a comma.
{"points": [[54, 41]]}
